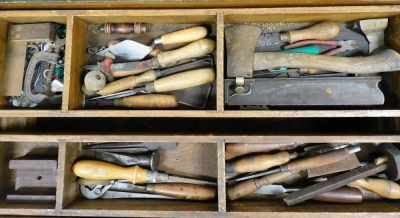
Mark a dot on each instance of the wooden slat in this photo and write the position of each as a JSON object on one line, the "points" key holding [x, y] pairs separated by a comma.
{"points": [[221, 177]]}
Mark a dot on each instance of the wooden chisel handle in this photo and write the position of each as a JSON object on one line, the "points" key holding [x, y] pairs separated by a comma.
{"points": [[183, 191], [249, 186], [182, 80], [386, 61], [382, 187], [128, 82], [193, 50], [341, 195], [148, 101], [317, 160], [181, 36], [91, 169], [257, 162], [233, 150], [321, 31]]}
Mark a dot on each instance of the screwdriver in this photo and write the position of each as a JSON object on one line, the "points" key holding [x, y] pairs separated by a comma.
{"points": [[149, 101], [262, 162], [191, 78]]}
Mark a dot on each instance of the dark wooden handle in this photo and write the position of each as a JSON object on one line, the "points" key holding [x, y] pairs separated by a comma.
{"points": [[353, 65], [185, 191], [257, 162], [317, 160], [249, 186], [233, 150], [321, 31], [341, 195], [123, 28]]}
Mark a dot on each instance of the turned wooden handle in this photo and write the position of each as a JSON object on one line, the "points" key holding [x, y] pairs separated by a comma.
{"points": [[317, 160], [382, 187], [321, 31], [186, 35], [182, 80], [148, 101], [385, 61], [249, 186], [193, 50], [127, 83], [233, 150], [341, 195], [257, 162], [185, 191], [99, 170]]}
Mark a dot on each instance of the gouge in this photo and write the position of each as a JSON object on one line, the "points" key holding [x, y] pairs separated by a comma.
{"points": [[382, 187], [262, 162], [149, 101], [98, 170], [131, 51], [233, 150], [174, 82]]}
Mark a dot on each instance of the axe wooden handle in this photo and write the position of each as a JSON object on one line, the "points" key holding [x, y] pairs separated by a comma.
{"points": [[321, 31], [382, 187], [385, 61], [185, 191], [186, 35]]}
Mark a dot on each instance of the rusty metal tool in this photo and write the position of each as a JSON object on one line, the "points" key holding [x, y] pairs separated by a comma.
{"points": [[131, 147], [149, 101], [195, 49], [233, 150], [296, 165], [132, 51], [341, 195], [344, 165], [306, 91], [391, 168], [146, 160], [137, 28], [183, 80], [98, 170], [123, 189]]}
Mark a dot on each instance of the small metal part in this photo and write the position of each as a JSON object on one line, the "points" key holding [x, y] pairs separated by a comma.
{"points": [[92, 50], [239, 85]]}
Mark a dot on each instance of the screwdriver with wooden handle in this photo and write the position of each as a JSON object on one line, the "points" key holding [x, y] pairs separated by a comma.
{"points": [[99, 170], [233, 150], [321, 31], [262, 162], [149, 101], [382, 187], [174, 82]]}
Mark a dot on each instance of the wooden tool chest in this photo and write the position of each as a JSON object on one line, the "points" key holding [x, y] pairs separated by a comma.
{"points": [[203, 154]]}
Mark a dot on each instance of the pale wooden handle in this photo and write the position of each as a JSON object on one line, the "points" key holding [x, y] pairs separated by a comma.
{"points": [[318, 160], [148, 101], [386, 61], [321, 31], [258, 162], [186, 35], [233, 150], [249, 186], [91, 169], [193, 50], [382, 187], [127, 83], [185, 191], [182, 80]]}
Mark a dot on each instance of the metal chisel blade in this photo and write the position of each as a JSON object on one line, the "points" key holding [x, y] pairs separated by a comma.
{"points": [[192, 181]]}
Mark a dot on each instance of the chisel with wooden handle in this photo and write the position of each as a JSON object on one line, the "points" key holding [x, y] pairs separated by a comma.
{"points": [[385, 61], [99, 170], [382, 187], [233, 150], [262, 162], [174, 82], [149, 101], [321, 31], [195, 49]]}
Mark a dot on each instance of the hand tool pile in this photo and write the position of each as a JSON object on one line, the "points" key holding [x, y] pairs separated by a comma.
{"points": [[34, 67], [121, 172], [313, 66], [135, 75], [332, 171]]}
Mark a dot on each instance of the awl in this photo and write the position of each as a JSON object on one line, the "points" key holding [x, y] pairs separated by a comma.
{"points": [[149, 101], [98, 170], [163, 59]]}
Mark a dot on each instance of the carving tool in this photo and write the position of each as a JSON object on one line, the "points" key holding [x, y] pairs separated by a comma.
{"points": [[131, 51], [148, 101], [98, 170], [131, 147], [233, 150], [382, 187], [147, 160]]}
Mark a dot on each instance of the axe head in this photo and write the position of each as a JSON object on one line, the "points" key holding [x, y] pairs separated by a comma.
{"points": [[241, 41]]}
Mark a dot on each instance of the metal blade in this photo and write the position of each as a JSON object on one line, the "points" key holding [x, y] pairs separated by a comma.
{"points": [[269, 42], [255, 175], [190, 181], [271, 190], [139, 66], [120, 94], [116, 194], [128, 50], [322, 150], [128, 145], [347, 164]]}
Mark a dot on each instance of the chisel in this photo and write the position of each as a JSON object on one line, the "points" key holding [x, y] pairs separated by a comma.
{"points": [[262, 162], [149, 101], [382, 187], [233, 150], [98, 170], [163, 59]]}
